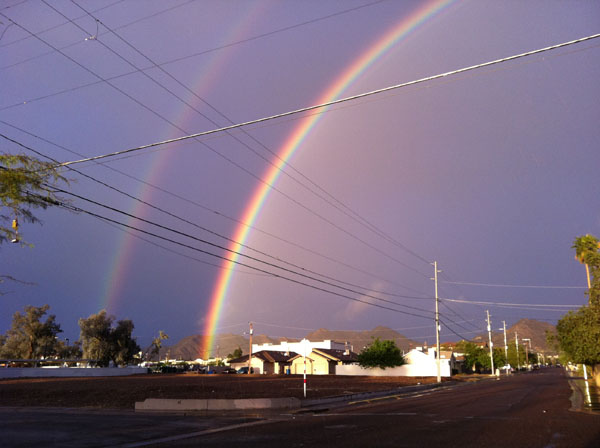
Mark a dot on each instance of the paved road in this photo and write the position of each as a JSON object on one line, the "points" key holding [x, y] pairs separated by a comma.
{"points": [[526, 410]]}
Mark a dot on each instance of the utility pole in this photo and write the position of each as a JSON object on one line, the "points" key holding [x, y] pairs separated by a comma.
{"points": [[489, 328], [250, 351], [527, 351], [437, 322], [505, 344], [517, 346]]}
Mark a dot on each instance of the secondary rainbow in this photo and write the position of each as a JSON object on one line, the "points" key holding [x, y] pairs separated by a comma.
{"points": [[390, 38], [121, 263]]}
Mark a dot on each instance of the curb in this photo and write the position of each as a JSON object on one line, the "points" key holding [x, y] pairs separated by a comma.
{"points": [[170, 404], [317, 402], [184, 405]]}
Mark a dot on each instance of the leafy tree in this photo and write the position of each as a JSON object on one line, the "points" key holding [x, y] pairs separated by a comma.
{"points": [[578, 333], [157, 343], [103, 343], [65, 351], [516, 359], [381, 354], [29, 337], [237, 353], [124, 347], [475, 356], [24, 185]]}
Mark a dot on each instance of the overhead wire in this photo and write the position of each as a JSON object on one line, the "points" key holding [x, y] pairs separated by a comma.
{"points": [[238, 253], [78, 42], [332, 102], [210, 50], [273, 274], [229, 160], [445, 274], [497, 285], [342, 207], [475, 302], [197, 204], [278, 259], [54, 27]]}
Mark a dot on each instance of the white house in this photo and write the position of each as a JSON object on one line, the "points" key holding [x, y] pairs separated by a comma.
{"points": [[418, 363], [299, 347]]}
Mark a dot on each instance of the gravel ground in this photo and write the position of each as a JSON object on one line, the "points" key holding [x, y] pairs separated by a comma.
{"points": [[123, 392]]}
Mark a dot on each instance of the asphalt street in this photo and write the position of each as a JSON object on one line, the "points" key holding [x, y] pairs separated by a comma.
{"points": [[530, 410]]}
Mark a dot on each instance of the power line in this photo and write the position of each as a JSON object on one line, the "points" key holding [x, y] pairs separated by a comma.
{"points": [[210, 50], [352, 215], [459, 316], [107, 219], [218, 246], [55, 27], [303, 269], [496, 285], [78, 42], [231, 161], [547, 305], [189, 201], [456, 333], [333, 102]]}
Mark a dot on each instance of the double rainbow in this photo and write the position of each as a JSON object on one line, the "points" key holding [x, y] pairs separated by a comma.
{"points": [[390, 38]]}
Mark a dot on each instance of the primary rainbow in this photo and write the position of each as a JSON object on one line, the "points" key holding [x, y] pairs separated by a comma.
{"points": [[295, 139]]}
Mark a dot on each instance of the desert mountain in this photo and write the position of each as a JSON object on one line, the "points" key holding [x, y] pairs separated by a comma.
{"points": [[360, 339], [525, 329], [188, 348]]}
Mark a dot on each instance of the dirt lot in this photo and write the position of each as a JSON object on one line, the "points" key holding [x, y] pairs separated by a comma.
{"points": [[123, 392]]}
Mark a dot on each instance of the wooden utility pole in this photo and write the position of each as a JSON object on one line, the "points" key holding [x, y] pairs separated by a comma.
{"points": [[517, 346], [250, 351], [437, 322], [505, 344], [491, 343]]}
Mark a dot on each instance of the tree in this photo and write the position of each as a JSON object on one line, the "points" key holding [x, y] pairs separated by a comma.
{"points": [[25, 184], [516, 359], [123, 345], [587, 252], [237, 353], [381, 354], [103, 343], [157, 343], [578, 333], [29, 337], [476, 358]]}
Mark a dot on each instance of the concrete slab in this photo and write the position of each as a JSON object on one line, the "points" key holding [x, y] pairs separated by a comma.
{"points": [[163, 404]]}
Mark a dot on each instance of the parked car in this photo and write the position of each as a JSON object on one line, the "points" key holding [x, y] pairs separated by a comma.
{"points": [[244, 370], [220, 369]]}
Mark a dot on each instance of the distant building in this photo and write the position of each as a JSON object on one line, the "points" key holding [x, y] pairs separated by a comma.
{"points": [[323, 361], [266, 361], [298, 347]]}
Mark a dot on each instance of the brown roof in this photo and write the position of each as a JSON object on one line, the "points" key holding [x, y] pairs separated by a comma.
{"points": [[266, 355]]}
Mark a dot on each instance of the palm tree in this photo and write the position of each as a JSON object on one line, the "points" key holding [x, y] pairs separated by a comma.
{"points": [[586, 251]]}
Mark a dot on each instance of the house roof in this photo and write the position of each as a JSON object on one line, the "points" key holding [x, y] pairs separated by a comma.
{"points": [[338, 355], [334, 354], [266, 355]]}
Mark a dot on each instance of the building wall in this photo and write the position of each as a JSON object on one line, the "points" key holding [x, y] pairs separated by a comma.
{"points": [[427, 367], [297, 347], [298, 366], [315, 365], [39, 372]]}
